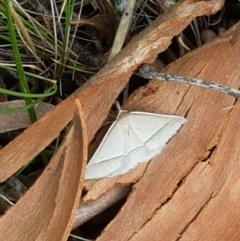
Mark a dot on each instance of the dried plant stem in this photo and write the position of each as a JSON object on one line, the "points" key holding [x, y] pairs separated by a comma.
{"points": [[89, 209], [146, 72]]}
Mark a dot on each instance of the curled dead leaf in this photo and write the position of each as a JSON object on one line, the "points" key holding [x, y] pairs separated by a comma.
{"points": [[47, 210], [19, 119]]}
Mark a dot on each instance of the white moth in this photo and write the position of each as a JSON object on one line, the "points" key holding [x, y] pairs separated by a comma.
{"points": [[135, 137]]}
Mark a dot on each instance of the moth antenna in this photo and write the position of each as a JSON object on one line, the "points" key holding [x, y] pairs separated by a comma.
{"points": [[117, 104]]}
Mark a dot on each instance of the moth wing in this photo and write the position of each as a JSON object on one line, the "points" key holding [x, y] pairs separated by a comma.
{"points": [[108, 156], [103, 169], [147, 125], [134, 138], [158, 141], [154, 131], [107, 148]]}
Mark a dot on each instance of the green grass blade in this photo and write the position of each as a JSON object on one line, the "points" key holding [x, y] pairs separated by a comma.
{"points": [[17, 58]]}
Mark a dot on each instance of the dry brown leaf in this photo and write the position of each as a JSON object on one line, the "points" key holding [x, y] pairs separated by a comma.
{"points": [[103, 23], [47, 210], [19, 119], [101, 91], [185, 191]]}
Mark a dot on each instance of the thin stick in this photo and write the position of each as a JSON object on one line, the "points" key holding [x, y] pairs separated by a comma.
{"points": [[89, 209], [123, 29], [146, 72]]}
